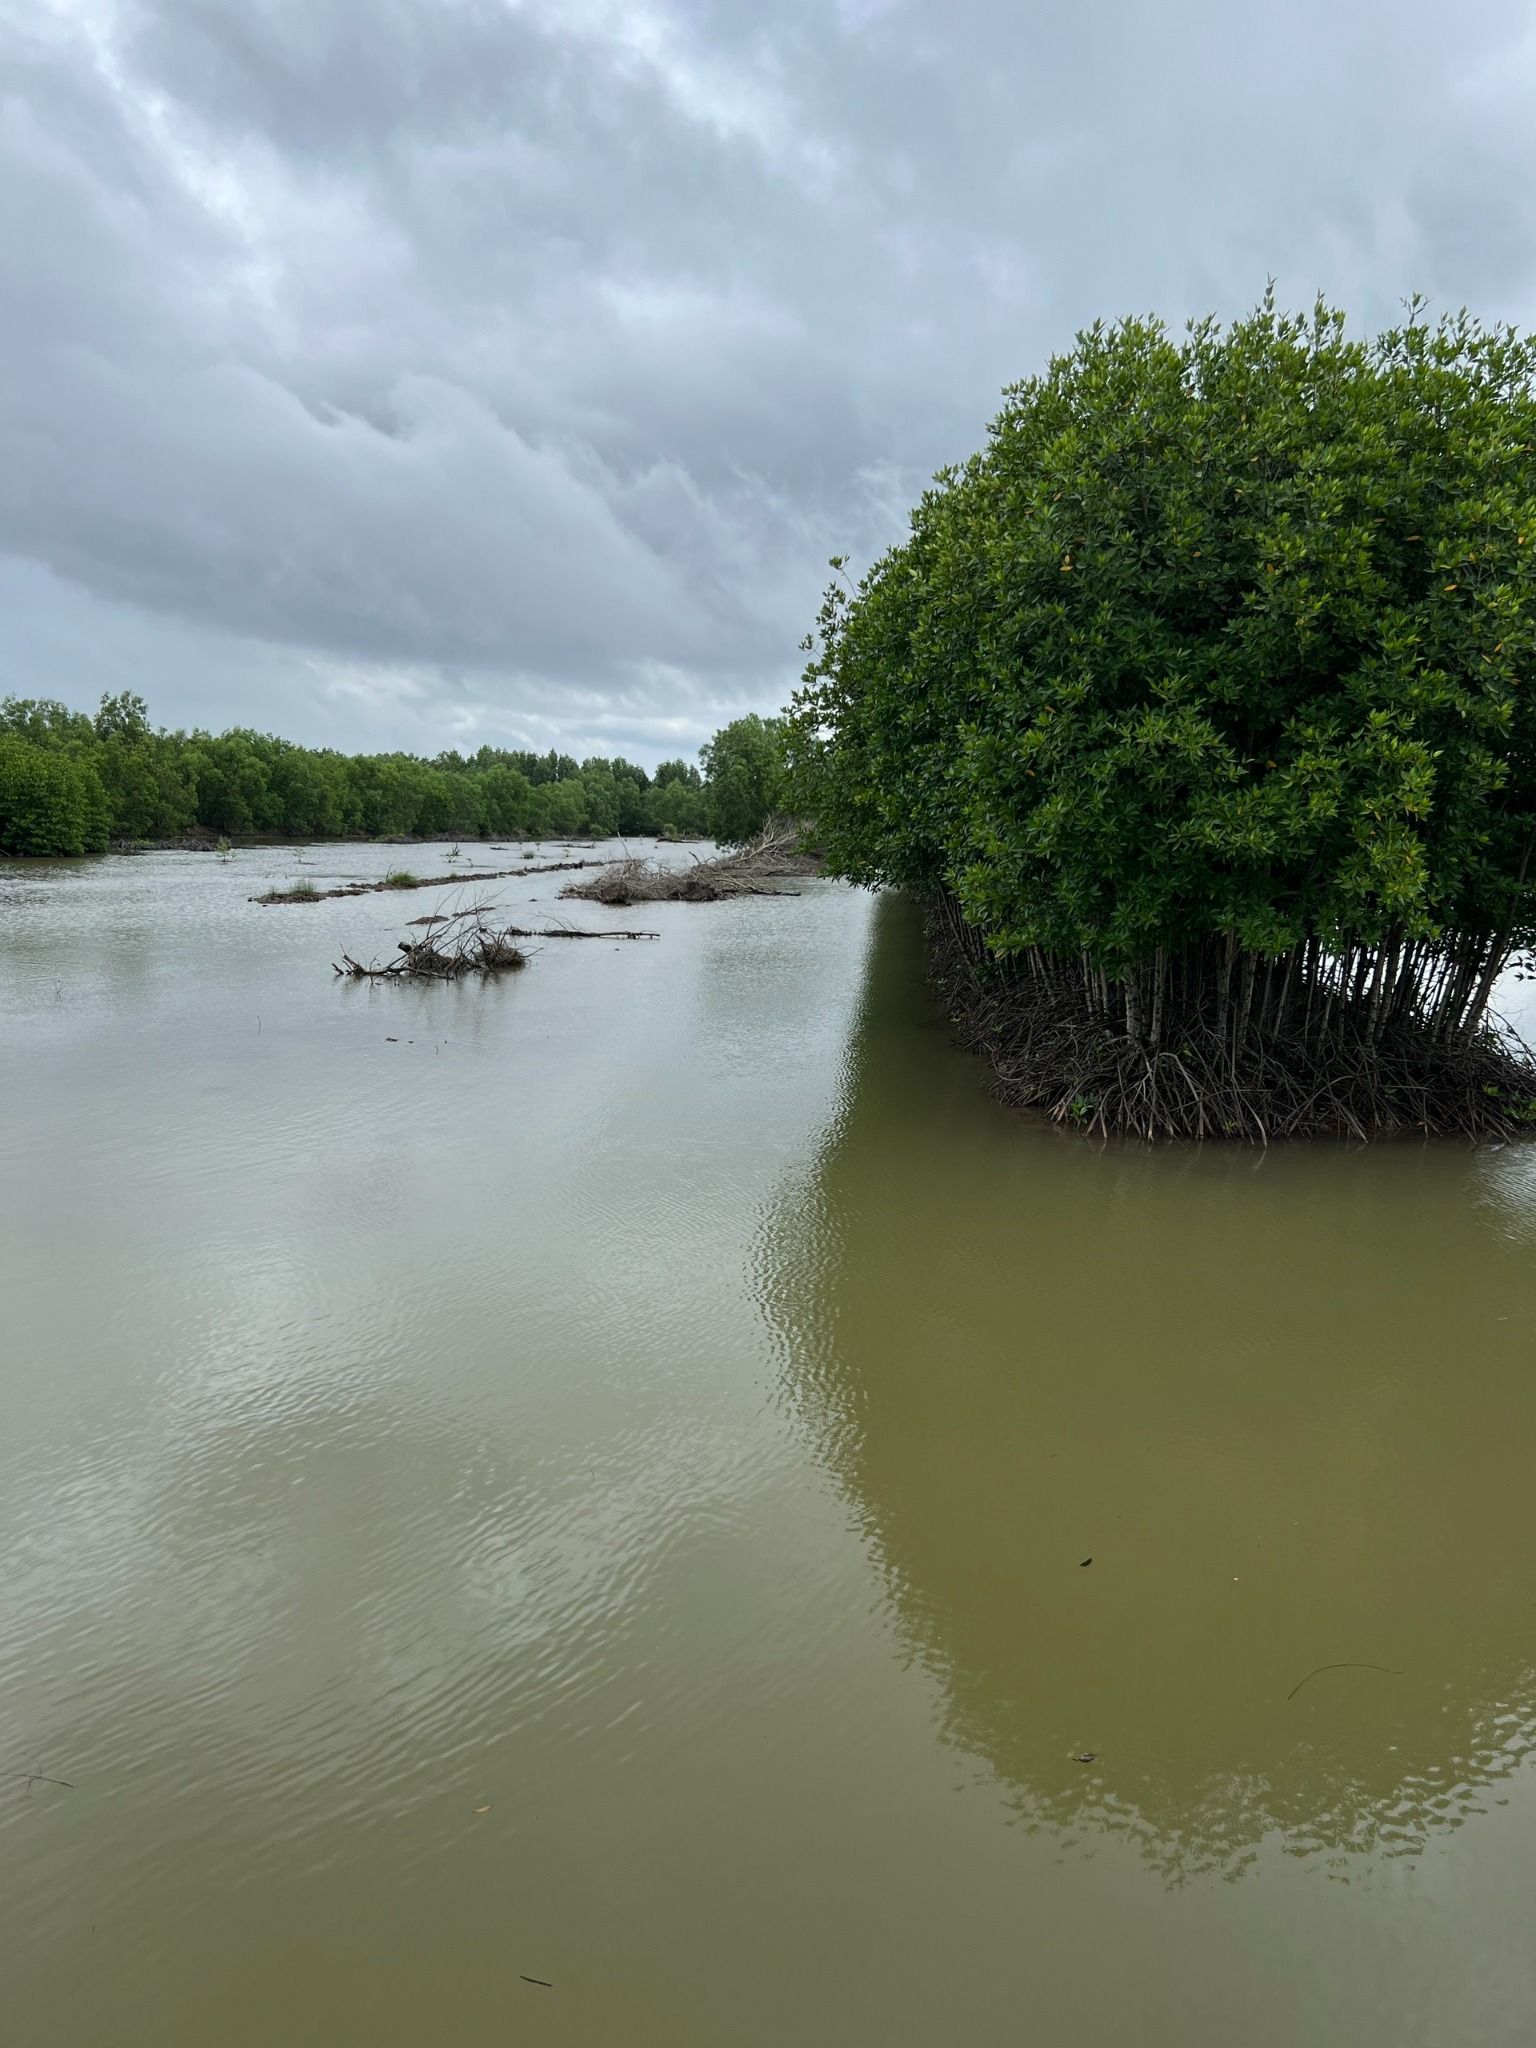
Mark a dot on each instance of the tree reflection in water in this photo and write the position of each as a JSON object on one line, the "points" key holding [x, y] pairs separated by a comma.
{"points": [[1282, 1400]]}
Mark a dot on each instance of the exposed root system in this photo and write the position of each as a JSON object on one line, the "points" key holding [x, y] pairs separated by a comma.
{"points": [[1052, 1047], [774, 855]]}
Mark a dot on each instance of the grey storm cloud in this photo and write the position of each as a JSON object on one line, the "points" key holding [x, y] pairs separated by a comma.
{"points": [[429, 371]]}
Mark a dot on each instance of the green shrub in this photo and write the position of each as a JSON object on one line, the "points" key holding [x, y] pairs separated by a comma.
{"points": [[50, 802]]}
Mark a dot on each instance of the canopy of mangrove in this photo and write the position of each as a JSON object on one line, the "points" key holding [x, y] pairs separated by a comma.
{"points": [[1197, 703]]}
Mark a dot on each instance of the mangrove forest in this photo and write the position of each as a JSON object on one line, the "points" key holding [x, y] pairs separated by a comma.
{"points": [[74, 783]]}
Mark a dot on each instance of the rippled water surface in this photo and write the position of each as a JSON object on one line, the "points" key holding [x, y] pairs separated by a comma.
{"points": [[591, 1479]]}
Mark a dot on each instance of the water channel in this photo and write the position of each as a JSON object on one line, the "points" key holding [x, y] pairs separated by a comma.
{"points": [[635, 1504]]}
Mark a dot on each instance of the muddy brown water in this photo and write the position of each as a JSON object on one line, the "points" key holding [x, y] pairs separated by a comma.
{"points": [[589, 1479]]}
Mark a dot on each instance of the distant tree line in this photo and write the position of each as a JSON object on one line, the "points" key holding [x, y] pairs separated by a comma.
{"points": [[71, 784]]}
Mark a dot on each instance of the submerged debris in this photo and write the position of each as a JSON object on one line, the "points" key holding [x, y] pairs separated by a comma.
{"points": [[548, 931], [459, 944], [306, 892], [1349, 1664], [776, 853]]}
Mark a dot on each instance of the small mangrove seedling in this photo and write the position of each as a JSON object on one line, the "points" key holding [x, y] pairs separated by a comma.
{"points": [[222, 847], [301, 891], [401, 878]]}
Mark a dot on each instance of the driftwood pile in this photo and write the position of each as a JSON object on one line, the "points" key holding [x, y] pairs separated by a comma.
{"points": [[775, 855], [459, 943]]}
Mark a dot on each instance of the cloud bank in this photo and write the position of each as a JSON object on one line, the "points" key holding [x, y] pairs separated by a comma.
{"points": [[431, 372]]}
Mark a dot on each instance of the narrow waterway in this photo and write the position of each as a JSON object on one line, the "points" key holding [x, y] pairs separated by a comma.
{"points": [[593, 1479]]}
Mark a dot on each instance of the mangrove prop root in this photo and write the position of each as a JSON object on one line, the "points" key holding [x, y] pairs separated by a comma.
{"points": [[1325, 1063], [775, 854]]}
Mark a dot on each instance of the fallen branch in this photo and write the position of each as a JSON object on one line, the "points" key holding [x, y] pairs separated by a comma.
{"points": [[458, 945], [310, 895], [571, 931], [1349, 1664], [556, 931]]}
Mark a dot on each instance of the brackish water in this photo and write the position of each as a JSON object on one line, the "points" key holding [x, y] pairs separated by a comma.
{"points": [[589, 1479]]}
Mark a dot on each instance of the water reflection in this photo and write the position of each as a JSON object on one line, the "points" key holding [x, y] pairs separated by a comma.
{"points": [[1283, 1403]]}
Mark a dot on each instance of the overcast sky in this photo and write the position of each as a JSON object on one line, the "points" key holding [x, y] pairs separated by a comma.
{"points": [[433, 372]]}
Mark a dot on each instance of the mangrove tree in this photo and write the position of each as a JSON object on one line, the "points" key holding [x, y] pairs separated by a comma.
{"points": [[1197, 706]]}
